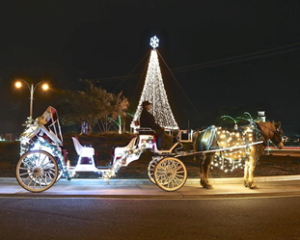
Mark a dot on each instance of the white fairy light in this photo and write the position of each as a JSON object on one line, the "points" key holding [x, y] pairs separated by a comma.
{"points": [[232, 158]]}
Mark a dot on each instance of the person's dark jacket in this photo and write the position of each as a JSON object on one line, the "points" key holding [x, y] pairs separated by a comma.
{"points": [[147, 120]]}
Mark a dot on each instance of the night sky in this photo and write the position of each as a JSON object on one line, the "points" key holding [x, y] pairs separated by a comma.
{"points": [[226, 57]]}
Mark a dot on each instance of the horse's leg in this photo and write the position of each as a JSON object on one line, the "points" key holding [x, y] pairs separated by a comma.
{"points": [[252, 163], [202, 181], [246, 172], [204, 168]]}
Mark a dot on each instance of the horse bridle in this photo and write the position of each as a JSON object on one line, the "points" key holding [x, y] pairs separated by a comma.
{"points": [[277, 131]]}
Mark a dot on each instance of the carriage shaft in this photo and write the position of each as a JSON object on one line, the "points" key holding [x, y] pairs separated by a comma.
{"points": [[218, 150]]}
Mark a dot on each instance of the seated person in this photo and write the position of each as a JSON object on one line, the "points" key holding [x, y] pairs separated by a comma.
{"points": [[147, 121]]}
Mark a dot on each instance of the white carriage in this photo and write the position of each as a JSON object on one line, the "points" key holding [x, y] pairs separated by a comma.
{"points": [[44, 160]]}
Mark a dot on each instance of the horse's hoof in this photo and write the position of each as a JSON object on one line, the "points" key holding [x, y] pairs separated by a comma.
{"points": [[208, 187], [253, 186]]}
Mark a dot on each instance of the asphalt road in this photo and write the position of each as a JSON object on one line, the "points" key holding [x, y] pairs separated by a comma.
{"points": [[138, 209], [97, 218]]}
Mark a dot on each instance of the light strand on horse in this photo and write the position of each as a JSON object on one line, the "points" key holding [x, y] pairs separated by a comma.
{"points": [[247, 138]]}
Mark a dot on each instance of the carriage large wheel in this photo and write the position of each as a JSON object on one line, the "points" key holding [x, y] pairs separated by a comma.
{"points": [[170, 174], [37, 171], [151, 168]]}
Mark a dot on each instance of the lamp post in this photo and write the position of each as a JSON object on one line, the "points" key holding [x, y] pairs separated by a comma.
{"points": [[31, 88]]}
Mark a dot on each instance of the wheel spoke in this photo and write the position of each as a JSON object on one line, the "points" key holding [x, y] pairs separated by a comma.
{"points": [[26, 178], [45, 164], [34, 184], [30, 182], [43, 160], [177, 180], [44, 180], [40, 182], [21, 168], [23, 174], [177, 168], [48, 175]]}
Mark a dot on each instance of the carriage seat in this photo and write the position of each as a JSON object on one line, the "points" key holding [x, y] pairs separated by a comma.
{"points": [[119, 152], [130, 146], [86, 161], [82, 151]]}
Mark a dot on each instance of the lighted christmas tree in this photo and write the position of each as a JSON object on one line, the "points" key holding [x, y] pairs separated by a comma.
{"points": [[154, 92]]}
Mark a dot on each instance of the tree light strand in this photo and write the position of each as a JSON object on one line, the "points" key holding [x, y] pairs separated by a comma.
{"points": [[154, 92]]}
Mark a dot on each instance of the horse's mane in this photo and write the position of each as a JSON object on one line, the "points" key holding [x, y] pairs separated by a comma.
{"points": [[267, 123]]}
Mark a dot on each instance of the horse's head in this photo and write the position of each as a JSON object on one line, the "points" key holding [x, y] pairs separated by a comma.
{"points": [[277, 136], [273, 132]]}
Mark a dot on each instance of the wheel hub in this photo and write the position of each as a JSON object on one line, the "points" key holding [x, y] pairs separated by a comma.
{"points": [[37, 171], [171, 174]]}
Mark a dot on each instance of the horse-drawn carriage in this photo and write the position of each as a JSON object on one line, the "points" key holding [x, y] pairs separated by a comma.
{"points": [[44, 159]]}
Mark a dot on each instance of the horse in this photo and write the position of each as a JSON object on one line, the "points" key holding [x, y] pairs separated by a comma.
{"points": [[214, 138]]}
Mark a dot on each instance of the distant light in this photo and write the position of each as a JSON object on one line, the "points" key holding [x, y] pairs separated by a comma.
{"points": [[45, 86], [154, 42], [18, 84]]}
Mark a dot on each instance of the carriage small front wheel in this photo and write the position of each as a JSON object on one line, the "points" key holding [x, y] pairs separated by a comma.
{"points": [[151, 168], [170, 174], [37, 171]]}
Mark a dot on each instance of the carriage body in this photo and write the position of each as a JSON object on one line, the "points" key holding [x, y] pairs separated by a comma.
{"points": [[44, 159], [43, 156]]}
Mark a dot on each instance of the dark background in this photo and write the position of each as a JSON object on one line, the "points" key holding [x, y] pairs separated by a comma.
{"points": [[226, 57]]}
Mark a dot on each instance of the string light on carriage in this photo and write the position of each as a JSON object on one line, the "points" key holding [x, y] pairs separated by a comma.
{"points": [[55, 151]]}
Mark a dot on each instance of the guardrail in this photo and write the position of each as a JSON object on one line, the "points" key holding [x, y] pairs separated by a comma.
{"points": [[286, 151]]}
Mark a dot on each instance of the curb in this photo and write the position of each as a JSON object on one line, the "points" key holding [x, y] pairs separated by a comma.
{"points": [[153, 197], [146, 181], [145, 189]]}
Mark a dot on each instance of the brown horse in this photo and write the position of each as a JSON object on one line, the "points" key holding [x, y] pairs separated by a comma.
{"points": [[214, 138]]}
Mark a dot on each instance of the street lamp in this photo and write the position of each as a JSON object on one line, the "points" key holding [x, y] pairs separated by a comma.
{"points": [[31, 88]]}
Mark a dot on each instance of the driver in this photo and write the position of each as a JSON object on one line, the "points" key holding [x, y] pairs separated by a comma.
{"points": [[147, 120]]}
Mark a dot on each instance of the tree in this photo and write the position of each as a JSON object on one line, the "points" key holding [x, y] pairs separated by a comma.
{"points": [[111, 107], [94, 106]]}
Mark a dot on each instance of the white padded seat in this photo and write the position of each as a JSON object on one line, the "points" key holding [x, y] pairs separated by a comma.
{"points": [[82, 151]]}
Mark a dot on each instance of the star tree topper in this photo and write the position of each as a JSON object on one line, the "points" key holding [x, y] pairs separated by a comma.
{"points": [[154, 42]]}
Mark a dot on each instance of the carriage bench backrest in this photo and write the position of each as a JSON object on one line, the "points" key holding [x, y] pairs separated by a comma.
{"points": [[82, 151], [146, 131]]}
